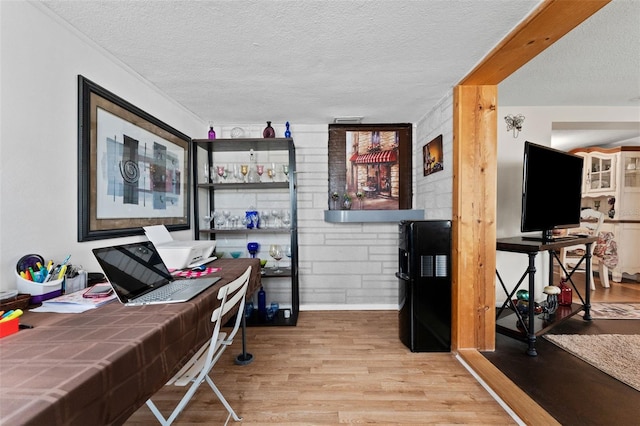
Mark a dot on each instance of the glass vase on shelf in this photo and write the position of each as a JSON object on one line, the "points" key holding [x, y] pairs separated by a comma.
{"points": [[268, 131], [254, 176], [334, 200], [346, 204], [212, 133]]}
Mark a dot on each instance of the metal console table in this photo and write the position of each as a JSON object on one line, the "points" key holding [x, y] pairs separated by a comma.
{"points": [[525, 327]]}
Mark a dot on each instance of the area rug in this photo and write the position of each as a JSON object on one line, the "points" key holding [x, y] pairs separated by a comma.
{"points": [[615, 311], [618, 355]]}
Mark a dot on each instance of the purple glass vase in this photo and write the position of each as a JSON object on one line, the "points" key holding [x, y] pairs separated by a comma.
{"points": [[268, 131]]}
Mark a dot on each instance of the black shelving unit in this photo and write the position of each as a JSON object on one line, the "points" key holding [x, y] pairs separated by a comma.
{"points": [[205, 192], [508, 320]]}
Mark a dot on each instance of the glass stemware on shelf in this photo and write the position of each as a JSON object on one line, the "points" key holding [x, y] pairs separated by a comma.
{"points": [[260, 171], [237, 174], [276, 216], [222, 173], [252, 248], [275, 251], [285, 170], [244, 169], [271, 172], [264, 219], [285, 217]]}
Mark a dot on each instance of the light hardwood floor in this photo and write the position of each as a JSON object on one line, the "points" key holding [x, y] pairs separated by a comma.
{"points": [[337, 367], [350, 367]]}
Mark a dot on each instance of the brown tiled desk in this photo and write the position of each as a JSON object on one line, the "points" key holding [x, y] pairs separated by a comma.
{"points": [[100, 366]]}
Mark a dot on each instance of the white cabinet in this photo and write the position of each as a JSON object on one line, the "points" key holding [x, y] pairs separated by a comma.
{"points": [[611, 184]]}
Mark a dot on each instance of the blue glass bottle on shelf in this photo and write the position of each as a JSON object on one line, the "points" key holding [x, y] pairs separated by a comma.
{"points": [[287, 133], [262, 301]]}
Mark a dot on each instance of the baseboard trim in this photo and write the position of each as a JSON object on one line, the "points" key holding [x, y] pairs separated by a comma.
{"points": [[351, 307]]}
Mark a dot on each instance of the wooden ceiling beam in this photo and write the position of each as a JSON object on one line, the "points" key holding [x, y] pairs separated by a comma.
{"points": [[551, 20]]}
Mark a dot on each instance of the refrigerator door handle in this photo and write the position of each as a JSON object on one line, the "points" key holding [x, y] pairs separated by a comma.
{"points": [[402, 276]]}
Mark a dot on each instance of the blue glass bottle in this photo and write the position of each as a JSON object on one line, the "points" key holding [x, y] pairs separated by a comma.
{"points": [[262, 301], [287, 133]]}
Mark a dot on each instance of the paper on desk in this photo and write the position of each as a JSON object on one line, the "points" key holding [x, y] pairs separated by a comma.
{"points": [[73, 303]]}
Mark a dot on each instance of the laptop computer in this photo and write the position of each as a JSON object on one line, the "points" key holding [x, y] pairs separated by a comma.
{"points": [[139, 276]]}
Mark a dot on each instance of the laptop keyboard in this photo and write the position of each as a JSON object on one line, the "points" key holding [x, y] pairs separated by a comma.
{"points": [[165, 292]]}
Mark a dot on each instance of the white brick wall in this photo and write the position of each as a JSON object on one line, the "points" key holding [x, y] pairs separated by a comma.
{"points": [[353, 265], [434, 193]]}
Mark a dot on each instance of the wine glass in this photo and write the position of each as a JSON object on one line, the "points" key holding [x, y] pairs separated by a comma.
{"points": [[222, 173], [271, 172], [206, 171], [285, 170], [264, 219], [260, 171], [287, 251], [276, 215], [244, 169], [237, 175], [253, 247], [286, 218], [207, 220], [227, 216], [275, 251], [219, 220]]}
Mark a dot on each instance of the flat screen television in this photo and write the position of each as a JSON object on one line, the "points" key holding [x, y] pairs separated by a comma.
{"points": [[551, 190]]}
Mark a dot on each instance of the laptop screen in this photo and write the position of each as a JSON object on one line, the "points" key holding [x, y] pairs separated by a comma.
{"points": [[133, 269]]}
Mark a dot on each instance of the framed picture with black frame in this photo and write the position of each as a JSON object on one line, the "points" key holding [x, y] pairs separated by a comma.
{"points": [[133, 169]]}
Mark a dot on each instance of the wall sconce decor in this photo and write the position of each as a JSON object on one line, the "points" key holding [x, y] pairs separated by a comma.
{"points": [[514, 122]]}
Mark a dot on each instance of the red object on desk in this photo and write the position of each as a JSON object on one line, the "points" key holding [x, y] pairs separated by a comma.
{"points": [[9, 327]]}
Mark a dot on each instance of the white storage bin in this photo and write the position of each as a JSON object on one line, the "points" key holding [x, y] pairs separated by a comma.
{"points": [[39, 291]]}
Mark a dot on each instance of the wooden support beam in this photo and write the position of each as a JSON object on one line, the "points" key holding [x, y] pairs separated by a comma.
{"points": [[475, 165], [474, 212]]}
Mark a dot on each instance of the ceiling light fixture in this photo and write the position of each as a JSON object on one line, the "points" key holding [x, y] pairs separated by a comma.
{"points": [[514, 122], [348, 120]]}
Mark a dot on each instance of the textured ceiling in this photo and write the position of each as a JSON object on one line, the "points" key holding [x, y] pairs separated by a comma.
{"points": [[387, 61], [302, 61]]}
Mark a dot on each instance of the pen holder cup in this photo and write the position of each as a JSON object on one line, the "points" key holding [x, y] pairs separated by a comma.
{"points": [[39, 291], [9, 327]]}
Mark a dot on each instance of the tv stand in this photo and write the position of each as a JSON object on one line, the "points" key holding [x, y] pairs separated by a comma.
{"points": [[545, 239], [513, 323]]}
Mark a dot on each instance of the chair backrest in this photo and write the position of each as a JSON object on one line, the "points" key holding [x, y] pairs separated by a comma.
{"points": [[592, 220], [232, 296]]}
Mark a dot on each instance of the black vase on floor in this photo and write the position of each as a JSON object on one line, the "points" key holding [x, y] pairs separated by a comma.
{"points": [[268, 131]]}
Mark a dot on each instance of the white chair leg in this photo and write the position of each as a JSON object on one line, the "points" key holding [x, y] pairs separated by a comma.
{"points": [[222, 399], [604, 275]]}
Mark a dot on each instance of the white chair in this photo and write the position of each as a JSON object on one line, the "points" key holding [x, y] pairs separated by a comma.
{"points": [[196, 370], [590, 223]]}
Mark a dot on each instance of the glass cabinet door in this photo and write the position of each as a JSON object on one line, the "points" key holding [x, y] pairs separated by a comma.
{"points": [[601, 174], [631, 165]]}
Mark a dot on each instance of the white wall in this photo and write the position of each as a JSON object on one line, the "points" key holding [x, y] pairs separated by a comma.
{"points": [[537, 128], [41, 58], [350, 265], [434, 193]]}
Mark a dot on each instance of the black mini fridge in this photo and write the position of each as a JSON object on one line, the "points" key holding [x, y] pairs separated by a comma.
{"points": [[424, 278]]}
